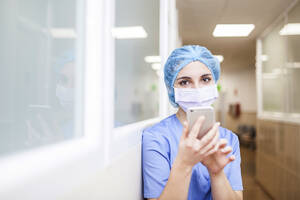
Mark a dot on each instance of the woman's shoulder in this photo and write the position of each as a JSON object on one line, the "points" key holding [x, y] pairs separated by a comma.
{"points": [[231, 137], [161, 128]]}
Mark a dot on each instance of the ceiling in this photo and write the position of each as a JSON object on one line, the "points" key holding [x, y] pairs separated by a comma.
{"points": [[198, 18]]}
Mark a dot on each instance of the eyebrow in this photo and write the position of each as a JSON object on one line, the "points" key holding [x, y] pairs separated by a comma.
{"points": [[206, 75], [183, 77], [187, 77]]}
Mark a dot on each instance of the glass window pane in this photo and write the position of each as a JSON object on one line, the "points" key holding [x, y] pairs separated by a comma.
{"points": [[274, 50], [293, 65], [293, 37], [38, 68], [294, 91], [274, 56], [136, 78], [273, 98]]}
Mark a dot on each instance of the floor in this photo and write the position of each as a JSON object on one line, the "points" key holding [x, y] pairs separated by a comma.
{"points": [[252, 191]]}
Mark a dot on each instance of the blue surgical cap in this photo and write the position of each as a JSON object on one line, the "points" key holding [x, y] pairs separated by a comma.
{"points": [[181, 57]]}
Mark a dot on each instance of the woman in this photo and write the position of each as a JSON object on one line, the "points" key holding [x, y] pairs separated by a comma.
{"points": [[176, 164]]}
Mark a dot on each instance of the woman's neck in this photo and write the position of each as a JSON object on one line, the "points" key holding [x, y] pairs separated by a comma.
{"points": [[181, 115]]}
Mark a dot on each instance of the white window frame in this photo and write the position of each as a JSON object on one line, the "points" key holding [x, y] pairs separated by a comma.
{"points": [[266, 115], [23, 167]]}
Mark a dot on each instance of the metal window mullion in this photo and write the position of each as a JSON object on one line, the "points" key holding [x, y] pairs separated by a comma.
{"points": [[163, 51], [259, 88], [93, 122], [108, 77]]}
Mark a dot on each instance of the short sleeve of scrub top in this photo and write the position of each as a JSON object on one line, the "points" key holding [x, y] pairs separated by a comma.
{"points": [[159, 150]]}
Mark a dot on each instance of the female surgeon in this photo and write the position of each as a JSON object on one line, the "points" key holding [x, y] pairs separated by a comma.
{"points": [[177, 165]]}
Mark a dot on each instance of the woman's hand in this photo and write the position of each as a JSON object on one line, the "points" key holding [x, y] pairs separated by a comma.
{"points": [[217, 161], [191, 149]]}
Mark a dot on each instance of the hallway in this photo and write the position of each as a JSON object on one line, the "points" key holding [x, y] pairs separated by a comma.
{"points": [[252, 190]]}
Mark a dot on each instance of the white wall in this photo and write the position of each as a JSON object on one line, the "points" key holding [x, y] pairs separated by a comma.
{"points": [[120, 180], [243, 79]]}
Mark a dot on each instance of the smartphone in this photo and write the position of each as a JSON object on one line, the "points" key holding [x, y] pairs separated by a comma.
{"points": [[194, 113]]}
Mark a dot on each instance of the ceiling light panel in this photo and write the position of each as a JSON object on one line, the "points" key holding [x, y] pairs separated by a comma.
{"points": [[233, 30], [290, 29], [130, 32]]}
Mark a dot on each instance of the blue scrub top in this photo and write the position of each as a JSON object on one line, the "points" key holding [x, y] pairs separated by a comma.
{"points": [[159, 149]]}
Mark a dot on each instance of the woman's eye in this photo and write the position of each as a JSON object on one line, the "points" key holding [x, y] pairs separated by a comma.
{"points": [[184, 82], [207, 79]]}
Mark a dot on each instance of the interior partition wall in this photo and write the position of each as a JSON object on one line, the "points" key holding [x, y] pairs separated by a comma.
{"points": [[75, 98], [278, 81]]}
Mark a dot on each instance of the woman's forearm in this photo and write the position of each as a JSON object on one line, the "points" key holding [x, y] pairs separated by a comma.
{"points": [[178, 184], [221, 189]]}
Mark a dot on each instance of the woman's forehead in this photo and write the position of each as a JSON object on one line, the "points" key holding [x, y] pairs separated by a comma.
{"points": [[194, 69]]}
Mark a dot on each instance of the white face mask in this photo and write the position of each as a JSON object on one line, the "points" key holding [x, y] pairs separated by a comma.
{"points": [[191, 97], [65, 96]]}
